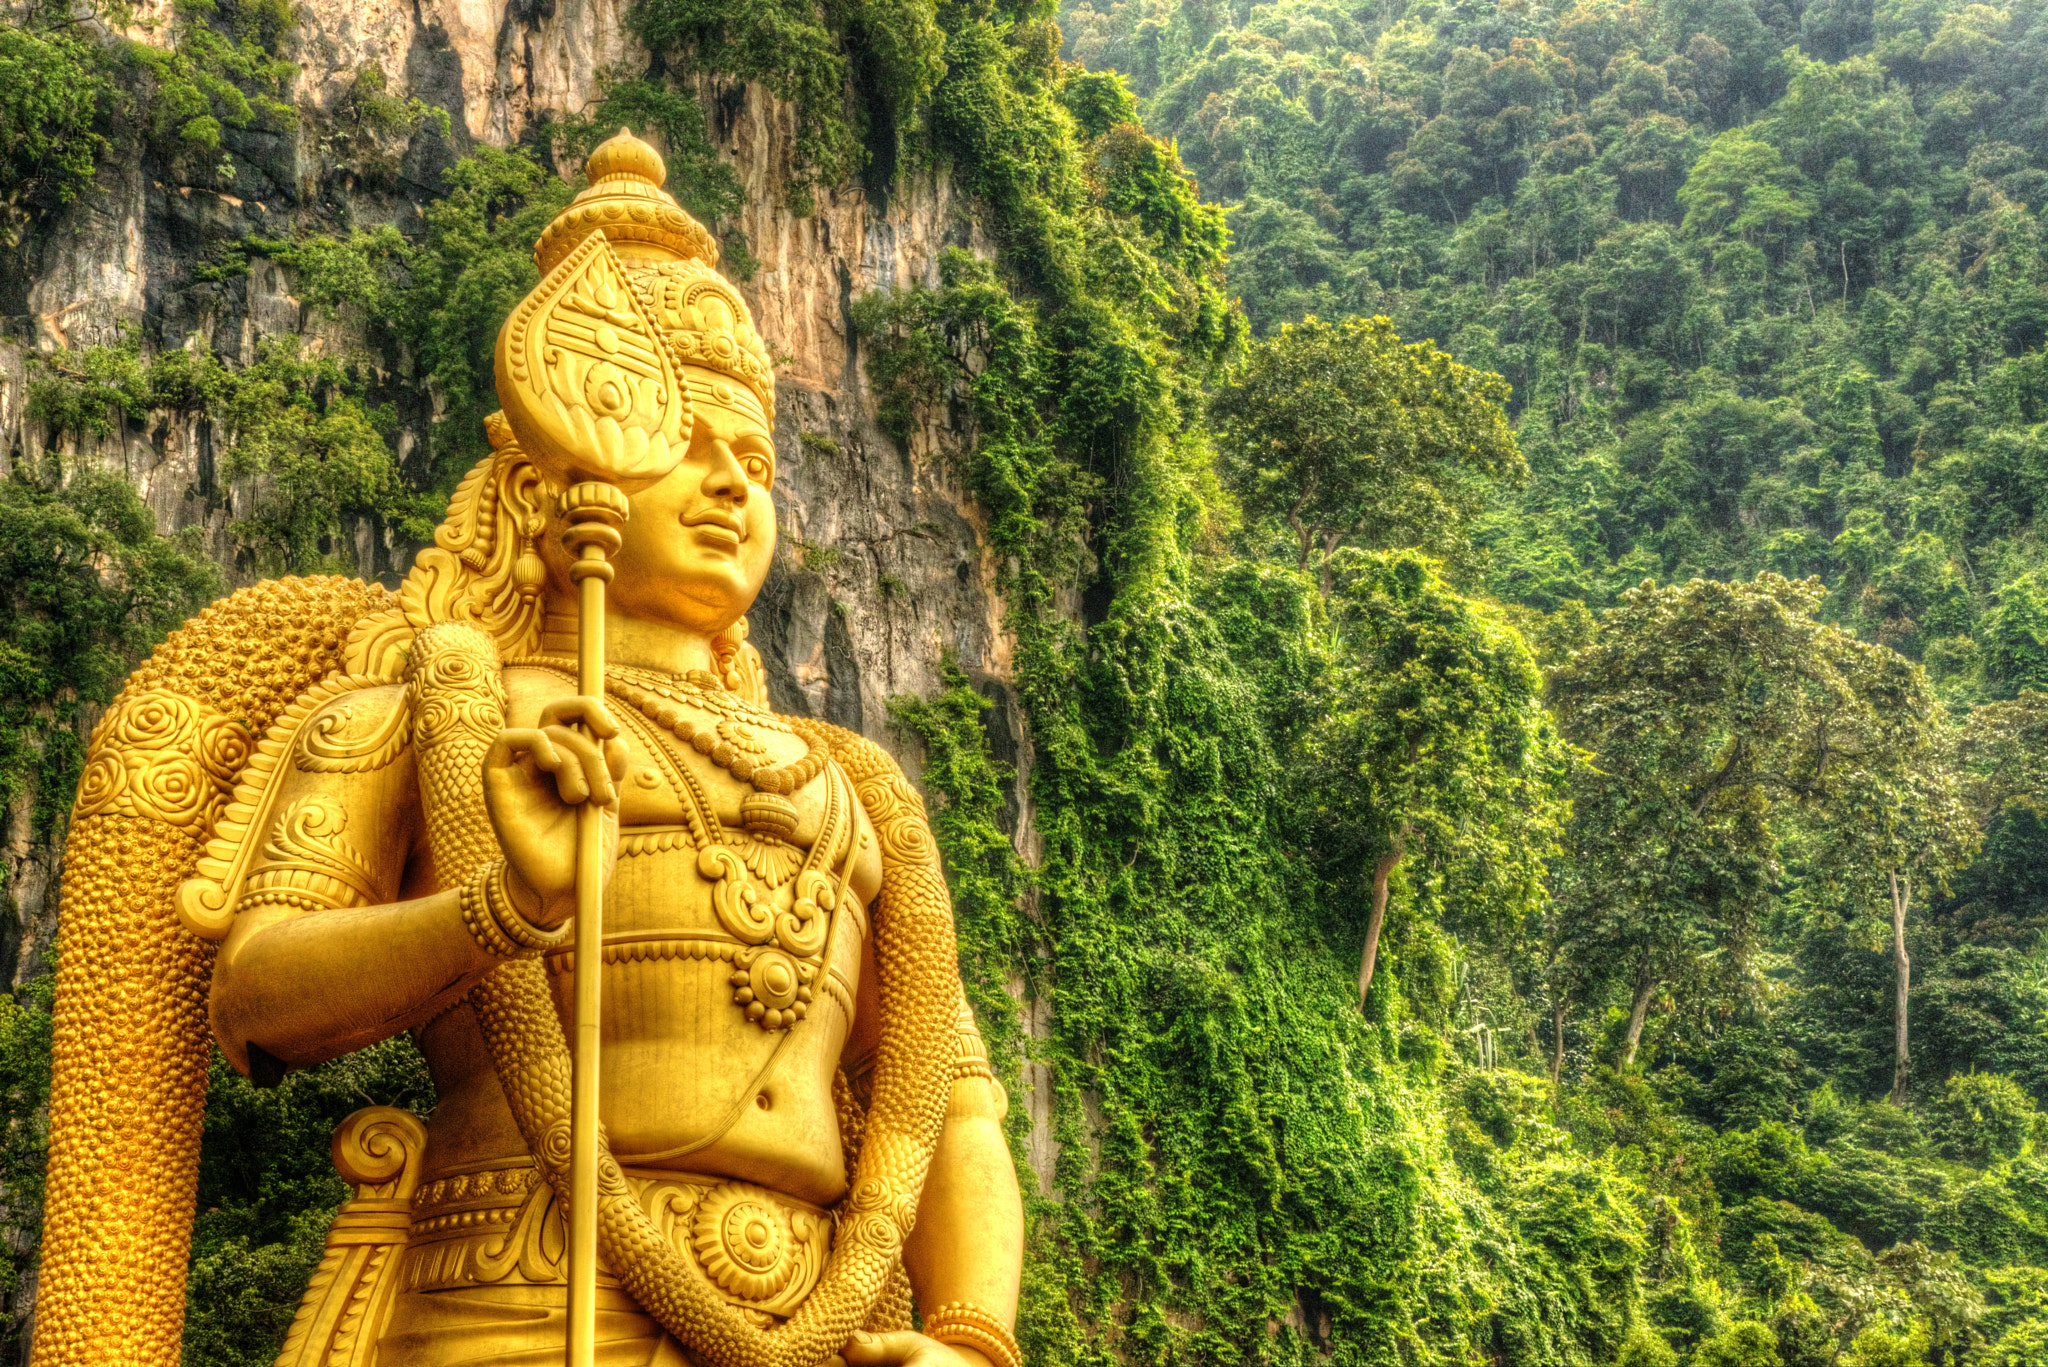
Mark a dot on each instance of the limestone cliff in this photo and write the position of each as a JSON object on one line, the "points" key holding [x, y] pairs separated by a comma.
{"points": [[881, 568]]}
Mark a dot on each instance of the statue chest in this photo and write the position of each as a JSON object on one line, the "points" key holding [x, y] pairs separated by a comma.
{"points": [[726, 1004], [697, 879], [756, 929]]}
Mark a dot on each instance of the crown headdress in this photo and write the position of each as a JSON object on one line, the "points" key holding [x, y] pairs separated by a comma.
{"points": [[671, 263]]}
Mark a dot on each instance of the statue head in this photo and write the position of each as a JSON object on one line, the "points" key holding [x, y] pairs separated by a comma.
{"points": [[635, 350], [641, 329]]}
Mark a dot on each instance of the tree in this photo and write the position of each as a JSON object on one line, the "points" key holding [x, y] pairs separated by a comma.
{"points": [[2015, 635], [1344, 432], [50, 88], [1742, 186], [1893, 807], [2004, 755], [1433, 746], [1723, 720]]}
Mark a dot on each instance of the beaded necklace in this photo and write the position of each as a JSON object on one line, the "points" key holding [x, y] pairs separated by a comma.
{"points": [[729, 742], [782, 950]]}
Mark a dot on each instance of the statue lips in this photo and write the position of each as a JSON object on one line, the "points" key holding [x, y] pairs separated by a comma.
{"points": [[717, 529]]}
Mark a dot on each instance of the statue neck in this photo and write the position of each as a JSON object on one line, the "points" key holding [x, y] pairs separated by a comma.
{"points": [[630, 641]]}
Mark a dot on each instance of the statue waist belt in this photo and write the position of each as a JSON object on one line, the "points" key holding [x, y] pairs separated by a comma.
{"points": [[503, 1226]]}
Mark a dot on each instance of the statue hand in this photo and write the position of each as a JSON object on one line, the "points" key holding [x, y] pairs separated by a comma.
{"points": [[903, 1350], [534, 780]]}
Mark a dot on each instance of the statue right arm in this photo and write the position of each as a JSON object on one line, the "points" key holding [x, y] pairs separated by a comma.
{"points": [[326, 955]]}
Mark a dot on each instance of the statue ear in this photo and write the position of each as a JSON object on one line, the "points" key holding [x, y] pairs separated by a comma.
{"points": [[526, 496], [739, 664]]}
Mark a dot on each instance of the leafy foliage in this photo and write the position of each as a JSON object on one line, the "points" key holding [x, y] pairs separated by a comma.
{"points": [[1433, 751], [267, 1192], [293, 426], [1724, 718], [1765, 278], [1346, 433], [50, 93], [90, 586]]}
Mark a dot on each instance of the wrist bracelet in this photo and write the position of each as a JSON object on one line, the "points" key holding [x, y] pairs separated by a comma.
{"points": [[495, 923], [970, 1326], [498, 896]]}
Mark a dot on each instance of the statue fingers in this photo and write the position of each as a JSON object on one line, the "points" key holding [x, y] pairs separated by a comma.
{"points": [[901, 1349], [585, 772], [517, 748], [591, 713], [581, 710], [542, 752]]}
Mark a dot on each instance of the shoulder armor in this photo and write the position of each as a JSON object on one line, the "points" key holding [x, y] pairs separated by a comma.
{"points": [[893, 805], [339, 725]]}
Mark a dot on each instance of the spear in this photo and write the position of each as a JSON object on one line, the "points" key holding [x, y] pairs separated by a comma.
{"points": [[588, 388]]}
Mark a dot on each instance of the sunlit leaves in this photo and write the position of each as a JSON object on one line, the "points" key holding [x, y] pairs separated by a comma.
{"points": [[1342, 431]]}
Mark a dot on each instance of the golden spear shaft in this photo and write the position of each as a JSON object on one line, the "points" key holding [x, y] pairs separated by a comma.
{"points": [[594, 510], [595, 401]]}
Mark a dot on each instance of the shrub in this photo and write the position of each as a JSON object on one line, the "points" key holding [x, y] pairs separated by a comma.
{"points": [[1685, 1315], [1747, 1343], [1880, 1346], [1982, 1118], [1800, 1234], [1770, 1160], [1644, 1348], [1805, 1338], [50, 89]]}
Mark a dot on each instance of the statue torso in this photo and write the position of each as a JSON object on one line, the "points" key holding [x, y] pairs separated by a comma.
{"points": [[690, 1080]]}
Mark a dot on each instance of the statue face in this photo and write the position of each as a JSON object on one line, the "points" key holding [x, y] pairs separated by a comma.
{"points": [[698, 544]]}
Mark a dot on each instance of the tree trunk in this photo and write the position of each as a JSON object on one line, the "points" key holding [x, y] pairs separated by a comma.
{"points": [[1556, 1042], [1646, 987], [1303, 539], [1381, 873], [1330, 543], [1902, 1058]]}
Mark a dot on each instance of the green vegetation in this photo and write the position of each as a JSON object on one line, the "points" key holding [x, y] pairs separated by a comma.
{"points": [[90, 586], [291, 425], [1346, 435], [1766, 278], [267, 1192], [1540, 831], [71, 88], [48, 101]]}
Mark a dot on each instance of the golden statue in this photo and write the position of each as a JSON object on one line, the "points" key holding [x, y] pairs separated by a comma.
{"points": [[322, 813]]}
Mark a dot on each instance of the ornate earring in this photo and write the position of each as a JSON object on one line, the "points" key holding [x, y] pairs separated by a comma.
{"points": [[529, 573]]}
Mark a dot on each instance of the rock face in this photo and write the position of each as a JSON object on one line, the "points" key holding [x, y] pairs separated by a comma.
{"points": [[881, 569]]}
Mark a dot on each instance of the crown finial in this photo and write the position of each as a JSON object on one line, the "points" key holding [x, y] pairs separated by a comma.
{"points": [[624, 157], [626, 200], [671, 263]]}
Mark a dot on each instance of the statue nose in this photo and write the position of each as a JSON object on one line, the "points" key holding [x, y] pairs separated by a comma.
{"points": [[726, 479]]}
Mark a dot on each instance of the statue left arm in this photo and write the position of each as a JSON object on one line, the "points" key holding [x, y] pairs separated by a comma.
{"points": [[968, 1244], [965, 1252]]}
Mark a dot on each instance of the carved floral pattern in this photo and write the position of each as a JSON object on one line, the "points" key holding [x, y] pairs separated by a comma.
{"points": [[165, 757]]}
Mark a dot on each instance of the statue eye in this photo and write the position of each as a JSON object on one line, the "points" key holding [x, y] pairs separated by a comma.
{"points": [[759, 469]]}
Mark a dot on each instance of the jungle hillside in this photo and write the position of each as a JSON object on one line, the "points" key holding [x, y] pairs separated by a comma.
{"points": [[1520, 535]]}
